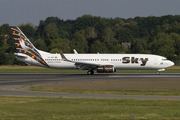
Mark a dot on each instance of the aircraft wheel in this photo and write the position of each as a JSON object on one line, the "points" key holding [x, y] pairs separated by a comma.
{"points": [[92, 72], [89, 72], [157, 73]]}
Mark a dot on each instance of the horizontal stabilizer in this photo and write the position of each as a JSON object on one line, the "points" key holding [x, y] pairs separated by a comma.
{"points": [[20, 55]]}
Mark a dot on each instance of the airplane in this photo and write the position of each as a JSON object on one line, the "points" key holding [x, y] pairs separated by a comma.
{"points": [[102, 63]]}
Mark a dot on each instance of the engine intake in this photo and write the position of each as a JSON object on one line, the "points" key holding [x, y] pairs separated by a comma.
{"points": [[105, 69]]}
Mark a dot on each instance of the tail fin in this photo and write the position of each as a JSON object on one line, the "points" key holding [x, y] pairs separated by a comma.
{"points": [[25, 47]]}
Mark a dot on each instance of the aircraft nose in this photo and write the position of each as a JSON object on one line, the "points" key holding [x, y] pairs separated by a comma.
{"points": [[171, 63]]}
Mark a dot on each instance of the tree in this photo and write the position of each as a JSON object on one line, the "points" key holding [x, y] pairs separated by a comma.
{"points": [[50, 33], [97, 46], [50, 20], [79, 43], [84, 22], [2, 39], [60, 44], [29, 30], [176, 38], [163, 45], [108, 35], [40, 28], [166, 51], [90, 32], [123, 34], [4, 58], [139, 45], [55, 50], [100, 26], [63, 34], [111, 43], [118, 48], [39, 44]]}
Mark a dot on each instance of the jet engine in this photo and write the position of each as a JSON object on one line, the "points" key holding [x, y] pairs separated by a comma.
{"points": [[105, 69]]}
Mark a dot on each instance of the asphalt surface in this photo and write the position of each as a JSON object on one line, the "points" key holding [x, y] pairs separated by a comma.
{"points": [[9, 82]]}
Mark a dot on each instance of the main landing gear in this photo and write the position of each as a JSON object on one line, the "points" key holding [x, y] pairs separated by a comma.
{"points": [[90, 72]]}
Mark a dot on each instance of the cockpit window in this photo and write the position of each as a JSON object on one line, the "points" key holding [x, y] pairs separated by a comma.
{"points": [[164, 59]]}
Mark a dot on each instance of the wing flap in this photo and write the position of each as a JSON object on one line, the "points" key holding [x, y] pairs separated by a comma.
{"points": [[85, 65]]}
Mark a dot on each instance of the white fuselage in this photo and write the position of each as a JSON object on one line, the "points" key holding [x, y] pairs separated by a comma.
{"points": [[119, 61]]}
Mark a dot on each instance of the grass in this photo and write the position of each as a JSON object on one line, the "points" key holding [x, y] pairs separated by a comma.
{"points": [[123, 87], [36, 69], [43, 108], [120, 92]]}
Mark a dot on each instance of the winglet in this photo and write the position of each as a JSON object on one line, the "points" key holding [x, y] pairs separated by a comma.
{"points": [[62, 55]]}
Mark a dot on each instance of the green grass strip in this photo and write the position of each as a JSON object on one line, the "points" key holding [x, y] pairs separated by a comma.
{"points": [[43, 108], [121, 92]]}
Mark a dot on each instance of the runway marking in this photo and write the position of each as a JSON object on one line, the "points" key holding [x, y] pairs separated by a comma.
{"points": [[147, 76]]}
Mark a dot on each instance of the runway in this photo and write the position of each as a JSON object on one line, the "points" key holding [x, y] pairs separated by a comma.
{"points": [[9, 82]]}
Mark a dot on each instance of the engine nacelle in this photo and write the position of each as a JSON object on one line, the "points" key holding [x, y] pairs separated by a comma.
{"points": [[105, 69]]}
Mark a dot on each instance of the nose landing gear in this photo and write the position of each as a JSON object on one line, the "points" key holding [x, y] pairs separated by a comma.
{"points": [[157, 73]]}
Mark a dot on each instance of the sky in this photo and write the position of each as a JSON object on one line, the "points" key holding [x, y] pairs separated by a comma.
{"points": [[16, 12]]}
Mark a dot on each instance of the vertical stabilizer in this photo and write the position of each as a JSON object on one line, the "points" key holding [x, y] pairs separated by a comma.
{"points": [[25, 47]]}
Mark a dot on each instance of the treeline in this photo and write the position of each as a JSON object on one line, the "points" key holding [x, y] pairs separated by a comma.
{"points": [[91, 34]]}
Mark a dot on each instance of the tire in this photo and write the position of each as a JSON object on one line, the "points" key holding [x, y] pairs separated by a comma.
{"points": [[92, 72], [89, 72], [157, 73]]}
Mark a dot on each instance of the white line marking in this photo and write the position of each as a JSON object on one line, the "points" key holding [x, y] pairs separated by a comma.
{"points": [[147, 76]]}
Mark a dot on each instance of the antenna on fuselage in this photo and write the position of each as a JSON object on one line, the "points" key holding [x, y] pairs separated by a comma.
{"points": [[75, 52]]}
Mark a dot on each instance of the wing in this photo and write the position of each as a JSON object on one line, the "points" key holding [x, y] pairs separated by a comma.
{"points": [[86, 65], [80, 65]]}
